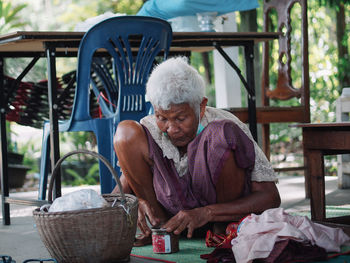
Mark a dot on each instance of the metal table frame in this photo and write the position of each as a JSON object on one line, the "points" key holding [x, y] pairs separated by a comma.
{"points": [[51, 45]]}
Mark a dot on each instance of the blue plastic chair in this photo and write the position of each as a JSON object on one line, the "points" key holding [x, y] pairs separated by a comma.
{"points": [[123, 84]]}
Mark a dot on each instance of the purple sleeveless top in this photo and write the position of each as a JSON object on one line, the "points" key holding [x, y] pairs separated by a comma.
{"points": [[207, 154]]}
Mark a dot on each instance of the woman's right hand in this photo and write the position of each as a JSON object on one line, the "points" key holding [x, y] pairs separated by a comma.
{"points": [[146, 212]]}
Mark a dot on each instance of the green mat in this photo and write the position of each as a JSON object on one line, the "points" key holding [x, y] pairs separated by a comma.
{"points": [[331, 211], [191, 249], [338, 259]]}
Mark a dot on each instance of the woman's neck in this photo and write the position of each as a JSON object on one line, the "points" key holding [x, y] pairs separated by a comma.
{"points": [[182, 150]]}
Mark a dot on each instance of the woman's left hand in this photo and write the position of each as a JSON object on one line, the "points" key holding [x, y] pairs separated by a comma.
{"points": [[190, 219]]}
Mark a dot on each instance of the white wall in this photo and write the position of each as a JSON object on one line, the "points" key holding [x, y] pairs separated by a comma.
{"points": [[227, 82]]}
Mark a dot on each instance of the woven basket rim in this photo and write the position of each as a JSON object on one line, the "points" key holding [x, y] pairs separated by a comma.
{"points": [[101, 158], [129, 197]]}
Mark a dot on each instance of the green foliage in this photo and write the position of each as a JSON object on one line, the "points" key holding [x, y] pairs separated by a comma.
{"points": [[10, 18], [196, 62], [73, 174], [129, 7], [77, 179], [80, 140], [30, 148], [78, 10], [93, 175], [80, 168], [10, 145], [30, 151], [332, 3], [323, 64]]}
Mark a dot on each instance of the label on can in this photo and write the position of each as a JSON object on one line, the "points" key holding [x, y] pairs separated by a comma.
{"points": [[161, 243]]}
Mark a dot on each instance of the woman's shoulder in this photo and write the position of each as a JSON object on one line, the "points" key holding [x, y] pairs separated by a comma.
{"points": [[148, 120], [213, 114]]}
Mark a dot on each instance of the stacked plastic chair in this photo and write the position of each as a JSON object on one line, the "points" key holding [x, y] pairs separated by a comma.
{"points": [[28, 105], [131, 44]]}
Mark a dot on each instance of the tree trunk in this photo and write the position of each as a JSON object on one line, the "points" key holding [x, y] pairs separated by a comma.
{"points": [[207, 67], [343, 53]]}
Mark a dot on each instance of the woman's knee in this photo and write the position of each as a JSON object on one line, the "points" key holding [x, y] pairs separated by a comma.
{"points": [[129, 134], [231, 181]]}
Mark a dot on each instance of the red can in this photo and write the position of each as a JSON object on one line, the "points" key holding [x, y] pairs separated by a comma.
{"points": [[164, 242]]}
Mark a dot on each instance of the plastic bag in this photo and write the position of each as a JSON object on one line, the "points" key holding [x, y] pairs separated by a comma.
{"points": [[81, 199]]}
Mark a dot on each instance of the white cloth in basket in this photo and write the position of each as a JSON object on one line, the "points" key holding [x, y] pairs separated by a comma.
{"points": [[81, 199]]}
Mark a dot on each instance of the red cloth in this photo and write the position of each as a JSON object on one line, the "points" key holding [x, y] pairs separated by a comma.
{"points": [[221, 240], [285, 251], [222, 243]]}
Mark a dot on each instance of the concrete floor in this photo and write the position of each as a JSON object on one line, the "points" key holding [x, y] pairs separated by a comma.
{"points": [[21, 240]]}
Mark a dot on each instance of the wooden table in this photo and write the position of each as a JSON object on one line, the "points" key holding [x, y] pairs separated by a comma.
{"points": [[319, 140], [50, 45]]}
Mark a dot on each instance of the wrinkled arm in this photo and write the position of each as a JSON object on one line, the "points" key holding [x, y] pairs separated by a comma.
{"points": [[125, 186], [264, 195]]}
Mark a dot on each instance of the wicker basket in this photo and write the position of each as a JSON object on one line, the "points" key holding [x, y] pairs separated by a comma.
{"points": [[90, 235]]}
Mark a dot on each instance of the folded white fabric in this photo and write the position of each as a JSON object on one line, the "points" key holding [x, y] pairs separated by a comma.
{"points": [[258, 234]]}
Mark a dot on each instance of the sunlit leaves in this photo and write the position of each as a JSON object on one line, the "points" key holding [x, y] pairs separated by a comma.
{"points": [[10, 17], [323, 64], [78, 10], [333, 3]]}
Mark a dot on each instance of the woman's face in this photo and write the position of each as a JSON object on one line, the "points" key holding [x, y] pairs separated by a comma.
{"points": [[179, 122]]}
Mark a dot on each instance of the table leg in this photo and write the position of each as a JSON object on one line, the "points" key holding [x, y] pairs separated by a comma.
{"points": [[315, 170], [53, 114], [249, 58], [3, 151], [306, 178], [249, 84]]}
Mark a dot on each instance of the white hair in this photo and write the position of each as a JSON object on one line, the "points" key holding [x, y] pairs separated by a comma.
{"points": [[174, 81]]}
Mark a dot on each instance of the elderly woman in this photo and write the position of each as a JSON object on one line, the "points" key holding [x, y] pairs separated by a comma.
{"points": [[190, 164]]}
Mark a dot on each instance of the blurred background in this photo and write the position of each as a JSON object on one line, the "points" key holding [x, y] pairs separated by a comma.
{"points": [[329, 74]]}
